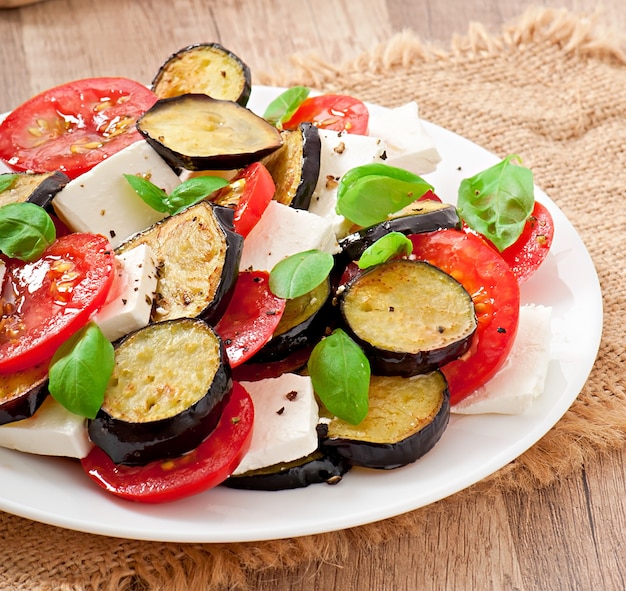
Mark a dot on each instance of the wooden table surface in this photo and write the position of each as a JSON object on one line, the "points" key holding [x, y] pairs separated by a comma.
{"points": [[569, 536]]}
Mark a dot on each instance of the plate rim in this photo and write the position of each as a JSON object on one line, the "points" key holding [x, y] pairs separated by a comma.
{"points": [[356, 518]]}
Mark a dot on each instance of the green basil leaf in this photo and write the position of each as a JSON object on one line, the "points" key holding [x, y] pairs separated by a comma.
{"points": [[154, 196], [80, 371], [389, 246], [26, 230], [497, 202], [7, 180], [300, 273], [340, 374], [191, 191], [285, 105], [375, 169], [367, 194]]}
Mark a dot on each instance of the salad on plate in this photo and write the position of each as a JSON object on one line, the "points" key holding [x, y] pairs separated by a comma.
{"points": [[194, 294]]}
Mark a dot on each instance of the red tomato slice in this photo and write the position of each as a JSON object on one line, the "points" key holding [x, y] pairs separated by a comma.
{"points": [[531, 248], [74, 126], [253, 372], [48, 300], [208, 465], [60, 228], [251, 317], [337, 112], [258, 190], [430, 196], [496, 295]]}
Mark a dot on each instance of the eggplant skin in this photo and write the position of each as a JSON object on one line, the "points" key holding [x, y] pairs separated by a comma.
{"points": [[207, 68], [323, 466], [366, 448], [196, 132], [420, 217], [22, 393], [169, 386], [198, 258], [295, 167], [230, 269], [37, 188]]}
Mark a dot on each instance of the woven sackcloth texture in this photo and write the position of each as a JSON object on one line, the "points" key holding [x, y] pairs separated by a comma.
{"points": [[550, 86]]}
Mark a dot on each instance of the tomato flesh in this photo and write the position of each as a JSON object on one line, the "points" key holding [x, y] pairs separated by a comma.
{"points": [[496, 295], [250, 318], [45, 301], [204, 467], [430, 196], [258, 190], [337, 112], [74, 126], [531, 248], [253, 372]]}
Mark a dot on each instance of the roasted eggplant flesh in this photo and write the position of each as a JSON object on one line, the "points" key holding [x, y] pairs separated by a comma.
{"points": [[198, 262], [409, 316], [322, 466], [230, 195], [295, 168], [197, 132], [169, 385], [419, 217], [22, 393], [406, 418], [303, 322], [207, 68], [37, 188]]}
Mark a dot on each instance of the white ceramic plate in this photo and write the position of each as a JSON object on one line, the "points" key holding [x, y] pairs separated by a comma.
{"points": [[56, 491]]}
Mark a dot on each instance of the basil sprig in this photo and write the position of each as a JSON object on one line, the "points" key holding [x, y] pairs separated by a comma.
{"points": [[340, 374], [285, 105], [367, 194], [80, 371], [300, 273], [26, 230], [387, 247], [186, 194], [497, 201]]}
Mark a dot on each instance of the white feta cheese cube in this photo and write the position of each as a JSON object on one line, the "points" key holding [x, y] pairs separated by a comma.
{"points": [[51, 431], [285, 420], [283, 231], [409, 146], [129, 304], [522, 378], [340, 152], [103, 202]]}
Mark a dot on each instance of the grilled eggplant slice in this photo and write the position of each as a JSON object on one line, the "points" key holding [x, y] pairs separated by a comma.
{"points": [[22, 393], [295, 168], [207, 68], [37, 188], [323, 465], [198, 258], [406, 418], [419, 217], [197, 132], [409, 316], [303, 322], [169, 385]]}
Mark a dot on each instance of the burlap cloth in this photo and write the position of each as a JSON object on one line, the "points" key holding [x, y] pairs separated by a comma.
{"points": [[550, 86]]}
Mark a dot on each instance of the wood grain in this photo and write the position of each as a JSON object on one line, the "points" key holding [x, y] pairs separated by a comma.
{"points": [[568, 536]]}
